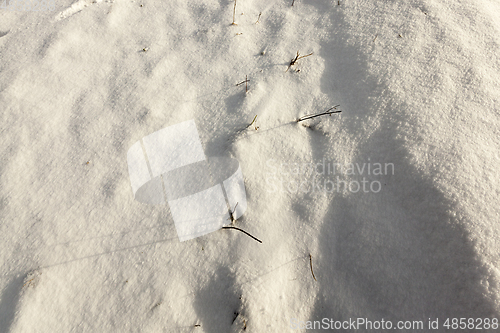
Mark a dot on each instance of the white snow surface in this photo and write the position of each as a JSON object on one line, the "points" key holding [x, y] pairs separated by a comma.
{"points": [[418, 85]]}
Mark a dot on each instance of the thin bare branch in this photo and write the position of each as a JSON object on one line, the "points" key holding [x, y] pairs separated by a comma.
{"points": [[253, 122], [297, 57], [258, 18], [311, 263], [243, 231], [329, 112], [234, 12]]}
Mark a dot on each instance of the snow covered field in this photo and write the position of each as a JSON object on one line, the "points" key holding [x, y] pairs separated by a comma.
{"points": [[418, 85]]}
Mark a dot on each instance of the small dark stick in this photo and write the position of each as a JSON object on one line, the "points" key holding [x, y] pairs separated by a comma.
{"points": [[311, 263], [27, 283], [231, 212], [253, 121], [310, 116], [234, 12], [293, 2], [236, 314], [245, 82], [231, 217], [258, 18], [243, 231], [297, 57]]}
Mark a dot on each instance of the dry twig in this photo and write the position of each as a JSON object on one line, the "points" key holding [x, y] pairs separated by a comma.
{"points": [[311, 263], [245, 82], [231, 217], [258, 18], [297, 57], [253, 122], [329, 112], [243, 231], [234, 12]]}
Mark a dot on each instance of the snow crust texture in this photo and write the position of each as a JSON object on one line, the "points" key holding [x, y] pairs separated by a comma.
{"points": [[418, 85]]}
